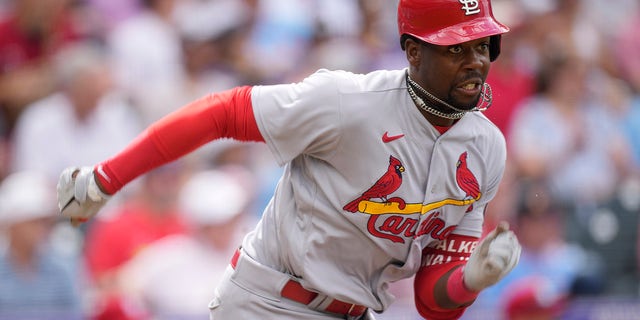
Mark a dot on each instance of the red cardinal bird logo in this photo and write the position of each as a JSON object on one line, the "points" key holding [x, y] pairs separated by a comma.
{"points": [[466, 180], [386, 185]]}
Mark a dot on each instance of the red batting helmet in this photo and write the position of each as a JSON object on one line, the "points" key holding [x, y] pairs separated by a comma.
{"points": [[449, 22]]}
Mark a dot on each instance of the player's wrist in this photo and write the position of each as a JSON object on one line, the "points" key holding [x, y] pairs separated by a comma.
{"points": [[457, 290], [106, 185]]}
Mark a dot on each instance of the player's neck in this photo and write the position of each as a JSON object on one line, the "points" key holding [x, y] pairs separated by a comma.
{"points": [[437, 121], [432, 107]]}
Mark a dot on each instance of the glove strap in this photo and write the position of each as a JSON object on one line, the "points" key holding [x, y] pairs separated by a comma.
{"points": [[94, 192]]}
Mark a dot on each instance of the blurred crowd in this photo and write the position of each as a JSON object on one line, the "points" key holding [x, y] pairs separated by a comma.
{"points": [[79, 79]]}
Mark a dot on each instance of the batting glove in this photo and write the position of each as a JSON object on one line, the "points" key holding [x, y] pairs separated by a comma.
{"points": [[79, 196], [496, 255]]}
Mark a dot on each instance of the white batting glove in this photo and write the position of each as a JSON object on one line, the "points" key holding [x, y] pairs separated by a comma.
{"points": [[494, 258], [79, 197]]}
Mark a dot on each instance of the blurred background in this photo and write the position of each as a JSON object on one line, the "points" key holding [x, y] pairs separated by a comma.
{"points": [[80, 78]]}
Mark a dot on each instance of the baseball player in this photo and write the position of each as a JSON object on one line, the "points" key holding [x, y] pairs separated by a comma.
{"points": [[386, 176]]}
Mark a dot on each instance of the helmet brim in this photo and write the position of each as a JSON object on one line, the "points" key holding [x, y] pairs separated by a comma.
{"points": [[463, 32]]}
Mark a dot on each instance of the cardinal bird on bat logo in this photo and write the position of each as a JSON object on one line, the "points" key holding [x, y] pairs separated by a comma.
{"points": [[389, 182], [466, 180]]}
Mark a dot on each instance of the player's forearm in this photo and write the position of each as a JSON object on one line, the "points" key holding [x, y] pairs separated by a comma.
{"points": [[223, 115], [440, 292], [443, 297], [455, 271]]}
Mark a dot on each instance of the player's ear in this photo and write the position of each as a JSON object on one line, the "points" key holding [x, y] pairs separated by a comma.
{"points": [[413, 51]]}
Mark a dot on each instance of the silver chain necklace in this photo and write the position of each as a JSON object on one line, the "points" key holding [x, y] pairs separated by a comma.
{"points": [[486, 100], [420, 103]]}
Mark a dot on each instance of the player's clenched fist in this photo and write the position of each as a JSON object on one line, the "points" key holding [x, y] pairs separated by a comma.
{"points": [[79, 197], [494, 258]]}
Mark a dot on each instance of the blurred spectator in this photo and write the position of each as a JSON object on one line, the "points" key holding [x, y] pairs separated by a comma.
{"points": [[175, 277], [624, 107], [626, 44], [210, 32], [568, 139], [533, 298], [547, 252], [85, 120], [30, 33], [510, 79], [565, 269], [562, 137], [280, 37], [567, 31], [114, 12], [150, 214], [206, 35], [36, 281], [147, 56], [610, 17], [351, 27], [630, 118]]}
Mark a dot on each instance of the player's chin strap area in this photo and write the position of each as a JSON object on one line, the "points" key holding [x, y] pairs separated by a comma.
{"points": [[486, 98]]}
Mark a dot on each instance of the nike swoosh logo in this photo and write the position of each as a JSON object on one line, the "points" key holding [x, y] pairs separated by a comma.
{"points": [[386, 138]]}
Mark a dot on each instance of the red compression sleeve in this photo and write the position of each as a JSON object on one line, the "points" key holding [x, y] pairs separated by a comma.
{"points": [[228, 114], [439, 289]]}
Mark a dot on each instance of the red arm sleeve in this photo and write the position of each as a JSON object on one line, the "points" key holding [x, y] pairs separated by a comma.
{"points": [[439, 290], [227, 114]]}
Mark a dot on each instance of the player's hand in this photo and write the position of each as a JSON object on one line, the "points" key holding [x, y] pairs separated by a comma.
{"points": [[79, 196], [496, 255]]}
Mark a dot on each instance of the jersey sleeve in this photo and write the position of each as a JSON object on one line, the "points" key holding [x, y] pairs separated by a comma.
{"points": [[222, 115], [300, 118]]}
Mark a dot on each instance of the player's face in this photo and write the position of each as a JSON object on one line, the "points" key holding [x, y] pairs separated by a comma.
{"points": [[455, 73]]}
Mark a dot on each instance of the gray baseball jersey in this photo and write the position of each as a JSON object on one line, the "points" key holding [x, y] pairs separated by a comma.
{"points": [[368, 182]]}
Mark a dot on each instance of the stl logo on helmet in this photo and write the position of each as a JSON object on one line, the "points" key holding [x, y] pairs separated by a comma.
{"points": [[470, 7]]}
